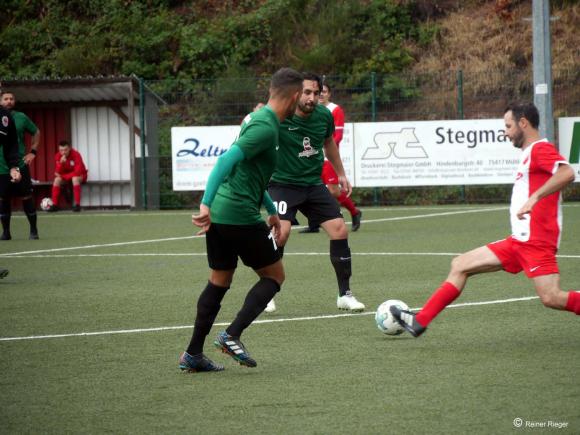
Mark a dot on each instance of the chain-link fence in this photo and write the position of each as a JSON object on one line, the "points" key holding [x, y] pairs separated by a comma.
{"points": [[367, 97]]}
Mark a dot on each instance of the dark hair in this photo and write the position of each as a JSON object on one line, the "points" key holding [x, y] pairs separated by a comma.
{"points": [[64, 143], [524, 110], [314, 78], [325, 83], [286, 80]]}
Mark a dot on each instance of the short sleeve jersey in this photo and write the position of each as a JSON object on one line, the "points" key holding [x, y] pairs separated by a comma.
{"points": [[338, 116], [239, 197], [543, 225], [23, 125], [8, 142], [302, 147]]}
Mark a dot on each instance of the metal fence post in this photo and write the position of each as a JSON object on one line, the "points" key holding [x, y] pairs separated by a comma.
{"points": [[374, 119], [460, 115], [142, 140]]}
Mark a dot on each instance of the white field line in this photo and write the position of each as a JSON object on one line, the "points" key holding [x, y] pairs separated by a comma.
{"points": [[108, 245], [264, 321], [295, 254]]}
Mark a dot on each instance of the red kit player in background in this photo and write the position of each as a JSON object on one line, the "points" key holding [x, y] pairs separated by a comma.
{"points": [[536, 221], [329, 176], [69, 167]]}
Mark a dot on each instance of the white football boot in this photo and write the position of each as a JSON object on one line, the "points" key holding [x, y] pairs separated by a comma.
{"points": [[271, 307], [349, 302]]}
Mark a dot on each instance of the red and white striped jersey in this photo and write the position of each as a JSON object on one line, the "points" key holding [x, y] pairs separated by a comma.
{"points": [[338, 115], [538, 163]]}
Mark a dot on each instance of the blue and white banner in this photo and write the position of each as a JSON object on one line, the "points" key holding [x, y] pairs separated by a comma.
{"points": [[194, 152]]}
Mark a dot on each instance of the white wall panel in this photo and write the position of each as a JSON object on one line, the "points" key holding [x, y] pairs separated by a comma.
{"points": [[102, 138]]}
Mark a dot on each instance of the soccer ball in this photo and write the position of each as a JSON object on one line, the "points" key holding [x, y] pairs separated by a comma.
{"points": [[45, 204], [384, 319]]}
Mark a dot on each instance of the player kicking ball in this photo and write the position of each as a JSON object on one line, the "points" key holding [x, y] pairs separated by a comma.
{"points": [[536, 220]]}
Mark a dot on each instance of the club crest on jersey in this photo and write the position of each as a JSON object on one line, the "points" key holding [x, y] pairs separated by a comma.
{"points": [[5, 121], [308, 150]]}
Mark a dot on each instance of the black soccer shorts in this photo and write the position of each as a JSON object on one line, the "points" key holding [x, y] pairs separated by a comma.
{"points": [[314, 202], [253, 244], [24, 186]]}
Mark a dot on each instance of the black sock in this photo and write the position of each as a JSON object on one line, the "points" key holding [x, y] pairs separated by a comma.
{"points": [[340, 259], [5, 214], [208, 307], [256, 300], [30, 211]]}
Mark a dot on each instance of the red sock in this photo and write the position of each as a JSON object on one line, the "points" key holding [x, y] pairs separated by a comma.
{"points": [[77, 193], [347, 203], [55, 194], [573, 303], [442, 297]]}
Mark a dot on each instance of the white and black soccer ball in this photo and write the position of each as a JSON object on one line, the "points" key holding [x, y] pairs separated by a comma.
{"points": [[45, 204], [384, 319]]}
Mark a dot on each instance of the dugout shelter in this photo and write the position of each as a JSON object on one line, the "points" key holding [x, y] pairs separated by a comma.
{"points": [[111, 121]]}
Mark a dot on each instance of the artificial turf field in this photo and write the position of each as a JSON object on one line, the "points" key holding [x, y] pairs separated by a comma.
{"points": [[93, 317]]}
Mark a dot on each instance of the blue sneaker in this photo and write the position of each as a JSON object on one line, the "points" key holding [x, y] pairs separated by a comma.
{"points": [[234, 348], [198, 363]]}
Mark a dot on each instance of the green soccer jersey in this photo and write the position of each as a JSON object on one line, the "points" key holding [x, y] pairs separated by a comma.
{"points": [[23, 124], [301, 153], [239, 197]]}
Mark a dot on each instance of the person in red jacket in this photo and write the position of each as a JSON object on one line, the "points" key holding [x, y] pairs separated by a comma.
{"points": [[69, 167]]}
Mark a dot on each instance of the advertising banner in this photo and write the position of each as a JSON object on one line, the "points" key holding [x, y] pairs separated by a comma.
{"points": [[194, 152], [433, 153], [569, 144]]}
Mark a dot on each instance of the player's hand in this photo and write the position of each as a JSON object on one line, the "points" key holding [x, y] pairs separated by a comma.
{"points": [[202, 220], [345, 185], [28, 158], [527, 207], [63, 159], [275, 227], [15, 175]]}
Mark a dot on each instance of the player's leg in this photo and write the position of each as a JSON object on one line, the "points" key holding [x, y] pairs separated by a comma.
{"points": [[476, 261], [258, 250], [222, 261], [322, 207], [5, 216], [76, 182], [5, 206], [24, 188], [55, 194]]}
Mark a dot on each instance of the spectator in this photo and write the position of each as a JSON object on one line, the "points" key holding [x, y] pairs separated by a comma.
{"points": [[69, 167]]}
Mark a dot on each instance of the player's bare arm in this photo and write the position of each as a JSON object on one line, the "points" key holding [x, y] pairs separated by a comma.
{"points": [[563, 176], [333, 156], [28, 158]]}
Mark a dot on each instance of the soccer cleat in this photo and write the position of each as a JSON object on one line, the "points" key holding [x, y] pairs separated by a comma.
{"points": [[3, 273], [6, 236], [198, 363], [234, 348], [356, 220], [407, 320], [33, 235], [307, 230], [76, 208], [271, 307], [53, 208], [349, 302]]}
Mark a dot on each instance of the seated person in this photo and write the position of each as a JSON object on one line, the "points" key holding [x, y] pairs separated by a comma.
{"points": [[69, 166]]}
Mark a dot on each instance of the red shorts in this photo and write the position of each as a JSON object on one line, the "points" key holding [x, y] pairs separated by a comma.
{"points": [[328, 174], [533, 259], [69, 176]]}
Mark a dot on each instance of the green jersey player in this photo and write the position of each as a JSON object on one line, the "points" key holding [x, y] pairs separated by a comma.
{"points": [[229, 215], [305, 138]]}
